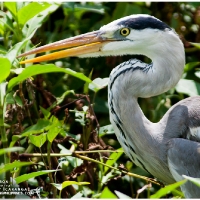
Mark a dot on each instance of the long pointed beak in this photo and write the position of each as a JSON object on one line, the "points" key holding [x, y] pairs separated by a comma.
{"points": [[79, 45]]}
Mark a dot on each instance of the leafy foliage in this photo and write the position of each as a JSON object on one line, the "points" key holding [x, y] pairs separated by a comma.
{"points": [[54, 110]]}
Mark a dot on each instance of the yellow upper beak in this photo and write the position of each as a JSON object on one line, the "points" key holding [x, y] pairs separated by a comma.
{"points": [[82, 44]]}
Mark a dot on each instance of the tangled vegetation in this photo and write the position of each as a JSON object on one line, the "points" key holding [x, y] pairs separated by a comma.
{"points": [[56, 138]]}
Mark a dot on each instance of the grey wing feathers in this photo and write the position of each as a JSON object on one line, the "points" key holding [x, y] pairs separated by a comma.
{"points": [[184, 159], [183, 119]]}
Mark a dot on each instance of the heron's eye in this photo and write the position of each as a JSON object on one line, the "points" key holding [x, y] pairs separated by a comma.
{"points": [[125, 31]]}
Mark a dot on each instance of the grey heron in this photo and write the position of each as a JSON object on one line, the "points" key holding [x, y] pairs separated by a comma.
{"points": [[169, 148]]}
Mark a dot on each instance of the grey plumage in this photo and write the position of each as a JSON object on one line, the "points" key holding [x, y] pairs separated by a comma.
{"points": [[167, 149]]}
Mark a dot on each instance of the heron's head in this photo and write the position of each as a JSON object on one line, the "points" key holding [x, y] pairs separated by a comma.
{"points": [[135, 34]]}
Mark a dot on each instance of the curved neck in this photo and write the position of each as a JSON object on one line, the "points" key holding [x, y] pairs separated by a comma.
{"points": [[133, 79], [168, 60]]}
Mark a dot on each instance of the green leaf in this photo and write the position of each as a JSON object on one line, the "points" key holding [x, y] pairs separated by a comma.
{"points": [[45, 112], [41, 126], [197, 74], [190, 66], [14, 139], [5, 68], [107, 194], [6, 23], [12, 53], [125, 9], [121, 195], [35, 22], [66, 93], [67, 183], [54, 130], [38, 140], [12, 7], [167, 189], [90, 8], [13, 165], [2, 102], [77, 196], [189, 87], [196, 181], [30, 10], [11, 99], [104, 130], [98, 83], [113, 158], [41, 69], [195, 44], [57, 185], [12, 149], [25, 177]]}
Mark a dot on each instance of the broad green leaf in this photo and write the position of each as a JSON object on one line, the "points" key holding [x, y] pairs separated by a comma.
{"points": [[12, 53], [18, 70], [29, 11], [113, 158], [25, 177], [65, 151], [177, 193], [104, 130], [123, 9], [2, 93], [13, 165], [15, 138], [107, 194], [41, 126], [6, 24], [54, 131], [77, 196], [90, 8], [110, 175], [66, 93], [12, 149], [121, 195], [38, 140], [35, 22], [196, 181], [5, 68], [80, 117], [190, 66], [41, 69], [45, 112], [11, 99], [98, 83], [2, 102], [57, 185], [68, 183], [12, 7], [197, 74], [167, 189], [195, 44], [188, 87]]}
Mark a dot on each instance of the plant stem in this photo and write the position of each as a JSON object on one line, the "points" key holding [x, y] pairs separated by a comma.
{"points": [[3, 135], [76, 154], [123, 171], [50, 167], [66, 154]]}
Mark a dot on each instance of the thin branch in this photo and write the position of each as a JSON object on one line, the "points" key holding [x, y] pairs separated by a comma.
{"points": [[76, 154]]}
